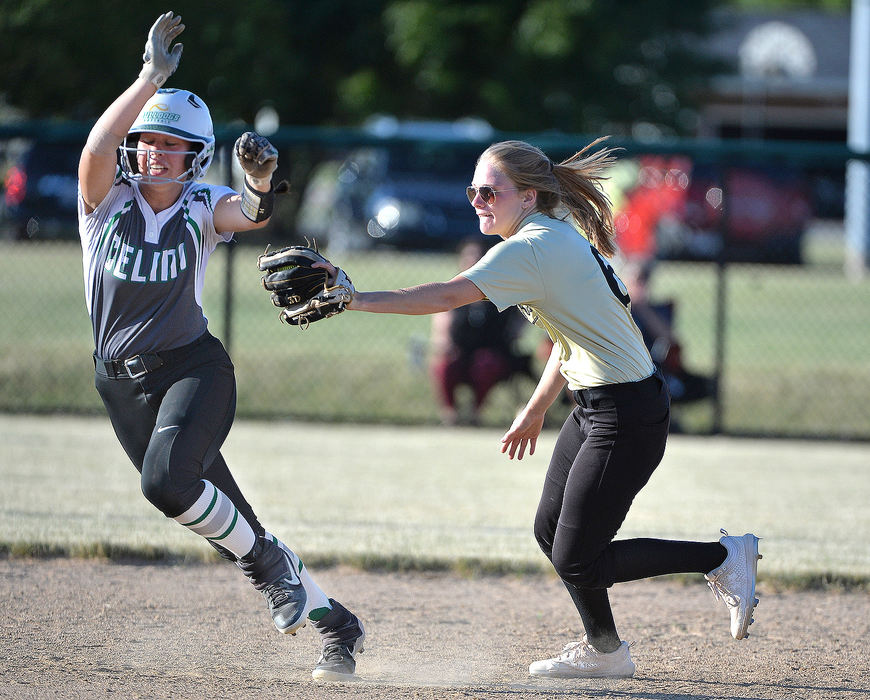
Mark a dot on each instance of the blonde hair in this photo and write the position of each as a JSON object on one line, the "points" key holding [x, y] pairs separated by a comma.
{"points": [[573, 185]]}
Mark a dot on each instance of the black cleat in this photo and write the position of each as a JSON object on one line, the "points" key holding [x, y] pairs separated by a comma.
{"points": [[272, 573], [342, 637]]}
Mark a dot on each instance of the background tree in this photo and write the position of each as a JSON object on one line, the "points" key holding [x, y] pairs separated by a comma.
{"points": [[70, 59], [571, 65]]}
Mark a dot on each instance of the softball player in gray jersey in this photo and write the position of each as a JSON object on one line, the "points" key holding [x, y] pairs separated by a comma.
{"points": [[612, 441], [148, 227]]}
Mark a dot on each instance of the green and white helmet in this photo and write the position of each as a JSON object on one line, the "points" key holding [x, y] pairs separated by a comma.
{"points": [[176, 112]]}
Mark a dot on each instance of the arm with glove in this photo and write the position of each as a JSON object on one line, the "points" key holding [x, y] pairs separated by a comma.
{"points": [[308, 287], [251, 209]]}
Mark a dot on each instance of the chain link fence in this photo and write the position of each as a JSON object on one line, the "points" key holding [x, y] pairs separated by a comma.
{"points": [[744, 252]]}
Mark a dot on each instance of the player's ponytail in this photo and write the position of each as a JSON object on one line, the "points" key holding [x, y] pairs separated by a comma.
{"points": [[579, 179], [570, 188]]}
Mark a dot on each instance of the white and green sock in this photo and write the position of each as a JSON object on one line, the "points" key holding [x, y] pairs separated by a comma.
{"points": [[318, 603], [216, 518]]}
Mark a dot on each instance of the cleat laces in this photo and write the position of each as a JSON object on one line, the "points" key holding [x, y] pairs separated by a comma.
{"points": [[576, 652], [278, 593], [334, 652], [721, 592]]}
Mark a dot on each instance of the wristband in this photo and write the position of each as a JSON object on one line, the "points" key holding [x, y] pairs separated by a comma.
{"points": [[257, 206]]}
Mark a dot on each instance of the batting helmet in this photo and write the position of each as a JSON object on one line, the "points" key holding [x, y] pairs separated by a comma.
{"points": [[176, 112]]}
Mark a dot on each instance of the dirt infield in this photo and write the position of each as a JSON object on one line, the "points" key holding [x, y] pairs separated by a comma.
{"points": [[83, 628]]}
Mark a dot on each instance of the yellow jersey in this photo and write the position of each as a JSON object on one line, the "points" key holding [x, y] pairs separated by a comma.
{"points": [[562, 284]]}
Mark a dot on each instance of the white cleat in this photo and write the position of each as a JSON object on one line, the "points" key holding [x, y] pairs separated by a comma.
{"points": [[582, 660], [733, 582]]}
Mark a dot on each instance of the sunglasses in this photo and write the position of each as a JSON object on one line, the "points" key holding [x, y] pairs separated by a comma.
{"points": [[487, 193]]}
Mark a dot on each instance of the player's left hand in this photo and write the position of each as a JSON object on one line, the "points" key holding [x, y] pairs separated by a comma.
{"points": [[257, 156], [523, 433]]}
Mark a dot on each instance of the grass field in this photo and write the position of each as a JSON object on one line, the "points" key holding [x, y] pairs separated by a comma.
{"points": [[795, 351], [432, 498]]}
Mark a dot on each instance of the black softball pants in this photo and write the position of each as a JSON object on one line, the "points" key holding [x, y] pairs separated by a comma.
{"points": [[604, 455], [194, 389]]}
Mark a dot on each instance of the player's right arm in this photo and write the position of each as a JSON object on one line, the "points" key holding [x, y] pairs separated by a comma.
{"points": [[99, 156], [98, 159], [428, 298]]}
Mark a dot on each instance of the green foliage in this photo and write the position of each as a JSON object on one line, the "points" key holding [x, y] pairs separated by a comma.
{"points": [[573, 65], [554, 64], [236, 56], [832, 5]]}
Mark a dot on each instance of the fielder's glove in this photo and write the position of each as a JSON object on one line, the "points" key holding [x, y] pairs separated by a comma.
{"points": [[304, 293], [159, 61]]}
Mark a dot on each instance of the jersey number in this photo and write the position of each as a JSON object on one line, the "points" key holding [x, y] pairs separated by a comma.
{"points": [[616, 285]]}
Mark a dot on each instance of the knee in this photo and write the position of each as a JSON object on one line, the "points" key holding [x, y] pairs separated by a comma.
{"points": [[584, 574], [544, 538], [157, 489], [169, 495]]}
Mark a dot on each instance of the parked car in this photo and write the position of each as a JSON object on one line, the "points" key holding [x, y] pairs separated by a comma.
{"points": [[40, 190], [764, 211], [406, 194]]}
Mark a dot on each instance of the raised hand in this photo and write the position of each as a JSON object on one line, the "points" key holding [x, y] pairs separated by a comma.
{"points": [[257, 156], [161, 61]]}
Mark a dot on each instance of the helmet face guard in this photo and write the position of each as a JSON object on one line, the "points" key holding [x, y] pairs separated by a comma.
{"points": [[179, 113], [130, 153]]}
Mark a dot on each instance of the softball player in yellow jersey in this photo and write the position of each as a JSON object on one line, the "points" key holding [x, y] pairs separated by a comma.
{"points": [[615, 437]]}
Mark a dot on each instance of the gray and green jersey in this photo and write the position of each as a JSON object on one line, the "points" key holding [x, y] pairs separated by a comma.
{"points": [[144, 271], [562, 284]]}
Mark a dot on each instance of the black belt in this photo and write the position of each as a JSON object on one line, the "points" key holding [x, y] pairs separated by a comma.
{"points": [[140, 365], [132, 367], [584, 397]]}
